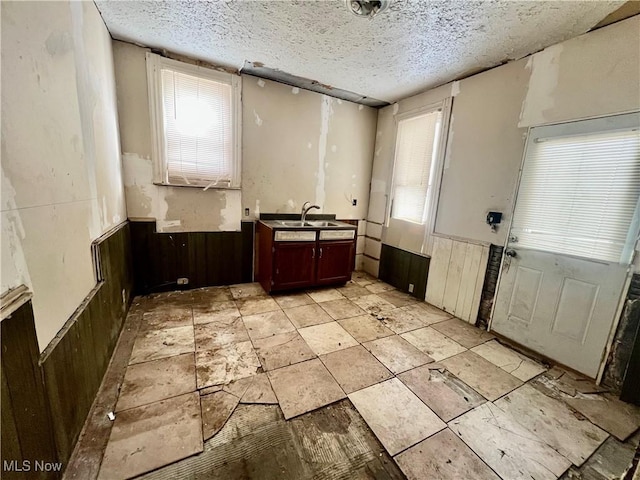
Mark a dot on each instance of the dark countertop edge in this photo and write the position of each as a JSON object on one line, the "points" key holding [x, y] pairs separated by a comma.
{"points": [[269, 224], [296, 216]]}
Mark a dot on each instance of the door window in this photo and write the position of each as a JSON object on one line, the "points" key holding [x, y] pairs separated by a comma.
{"points": [[579, 189]]}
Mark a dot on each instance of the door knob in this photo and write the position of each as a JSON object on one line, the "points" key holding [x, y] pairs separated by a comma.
{"points": [[511, 253]]}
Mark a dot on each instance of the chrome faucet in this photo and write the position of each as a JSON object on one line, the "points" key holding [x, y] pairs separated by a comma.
{"points": [[305, 209]]}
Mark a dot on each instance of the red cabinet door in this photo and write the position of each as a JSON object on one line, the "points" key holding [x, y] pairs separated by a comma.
{"points": [[334, 262], [293, 265]]}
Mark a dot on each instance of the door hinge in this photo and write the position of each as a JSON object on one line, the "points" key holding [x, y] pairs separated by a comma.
{"points": [[277, 271], [273, 249]]}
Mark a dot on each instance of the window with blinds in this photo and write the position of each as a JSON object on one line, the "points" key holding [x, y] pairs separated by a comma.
{"points": [[579, 192], [416, 153], [197, 134]]}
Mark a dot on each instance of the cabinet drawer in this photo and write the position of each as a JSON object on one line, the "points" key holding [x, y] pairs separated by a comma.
{"points": [[337, 234], [295, 236]]}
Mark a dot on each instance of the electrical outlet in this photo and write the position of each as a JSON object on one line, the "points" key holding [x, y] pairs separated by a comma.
{"points": [[183, 281], [354, 202], [246, 212], [411, 288]]}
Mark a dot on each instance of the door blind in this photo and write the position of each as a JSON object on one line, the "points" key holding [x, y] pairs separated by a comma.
{"points": [[416, 150], [198, 130], [579, 195]]}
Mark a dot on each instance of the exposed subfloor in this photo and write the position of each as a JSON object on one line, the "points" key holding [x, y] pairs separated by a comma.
{"points": [[360, 381]]}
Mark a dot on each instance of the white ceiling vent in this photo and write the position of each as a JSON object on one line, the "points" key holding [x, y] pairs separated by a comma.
{"points": [[367, 8]]}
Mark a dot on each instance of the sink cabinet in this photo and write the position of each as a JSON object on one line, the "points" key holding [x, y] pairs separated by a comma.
{"points": [[335, 259], [292, 264]]}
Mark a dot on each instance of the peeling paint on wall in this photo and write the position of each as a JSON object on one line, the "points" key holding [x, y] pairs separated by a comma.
{"points": [[260, 83]]}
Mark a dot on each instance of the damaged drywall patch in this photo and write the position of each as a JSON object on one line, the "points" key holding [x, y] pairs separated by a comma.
{"points": [[14, 264], [139, 204], [194, 209], [167, 225], [87, 95], [325, 114], [58, 43], [139, 192], [295, 90], [197, 210], [257, 118], [545, 69], [261, 83], [455, 88]]}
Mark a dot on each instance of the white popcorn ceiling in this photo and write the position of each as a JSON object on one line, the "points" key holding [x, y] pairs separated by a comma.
{"points": [[412, 46]]}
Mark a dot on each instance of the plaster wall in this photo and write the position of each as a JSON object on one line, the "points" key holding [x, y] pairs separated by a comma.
{"points": [[61, 172], [303, 146], [297, 146], [595, 74]]}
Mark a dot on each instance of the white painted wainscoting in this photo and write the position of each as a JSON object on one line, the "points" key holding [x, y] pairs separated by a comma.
{"points": [[456, 276]]}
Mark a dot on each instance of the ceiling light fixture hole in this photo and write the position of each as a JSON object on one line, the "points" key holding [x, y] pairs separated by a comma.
{"points": [[367, 8]]}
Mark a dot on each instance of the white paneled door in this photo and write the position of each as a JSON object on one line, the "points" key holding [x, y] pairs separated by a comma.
{"points": [[572, 239]]}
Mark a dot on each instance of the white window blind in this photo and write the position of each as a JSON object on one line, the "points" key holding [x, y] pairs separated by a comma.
{"points": [[416, 151], [578, 195], [196, 124]]}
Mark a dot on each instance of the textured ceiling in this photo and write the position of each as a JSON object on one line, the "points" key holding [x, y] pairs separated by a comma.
{"points": [[412, 46]]}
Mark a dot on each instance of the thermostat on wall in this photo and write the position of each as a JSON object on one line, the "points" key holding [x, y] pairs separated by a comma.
{"points": [[494, 219]]}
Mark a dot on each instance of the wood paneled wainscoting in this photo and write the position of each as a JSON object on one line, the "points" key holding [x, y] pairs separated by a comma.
{"points": [[205, 259], [46, 398], [456, 276]]}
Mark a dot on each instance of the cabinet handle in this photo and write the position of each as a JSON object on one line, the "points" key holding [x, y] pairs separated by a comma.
{"points": [[320, 252], [313, 252]]}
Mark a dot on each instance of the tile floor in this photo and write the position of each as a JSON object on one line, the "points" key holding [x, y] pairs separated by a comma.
{"points": [[443, 398]]}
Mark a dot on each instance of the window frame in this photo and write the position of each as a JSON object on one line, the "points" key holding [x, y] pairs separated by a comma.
{"points": [[433, 196], [155, 64]]}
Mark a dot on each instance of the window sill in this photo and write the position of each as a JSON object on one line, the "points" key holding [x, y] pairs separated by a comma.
{"points": [[412, 222], [201, 187]]}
